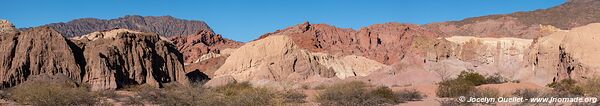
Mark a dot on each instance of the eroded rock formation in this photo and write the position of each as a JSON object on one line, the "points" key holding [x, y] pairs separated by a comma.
{"points": [[104, 60], [567, 54], [195, 46], [32, 52], [121, 57], [386, 43], [279, 58]]}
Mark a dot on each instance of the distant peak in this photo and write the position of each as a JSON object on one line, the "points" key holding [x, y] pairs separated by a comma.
{"points": [[580, 1], [5, 25], [105, 34]]}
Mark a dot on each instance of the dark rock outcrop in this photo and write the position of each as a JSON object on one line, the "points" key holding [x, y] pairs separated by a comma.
{"points": [[162, 25]]}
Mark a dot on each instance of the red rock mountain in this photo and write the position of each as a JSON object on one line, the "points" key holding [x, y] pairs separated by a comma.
{"points": [[162, 25], [203, 42], [385, 43], [571, 14]]}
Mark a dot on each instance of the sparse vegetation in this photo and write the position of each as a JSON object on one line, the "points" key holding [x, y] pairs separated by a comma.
{"points": [[472, 77], [51, 94], [410, 95], [484, 92], [292, 96], [238, 94], [591, 87], [495, 79], [566, 88], [454, 88], [465, 84], [527, 93], [355, 94], [452, 102]]}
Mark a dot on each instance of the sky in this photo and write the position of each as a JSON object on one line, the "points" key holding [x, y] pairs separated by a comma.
{"points": [[245, 20]]}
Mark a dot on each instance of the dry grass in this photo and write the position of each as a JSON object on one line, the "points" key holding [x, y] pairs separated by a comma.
{"points": [[238, 94], [355, 94], [51, 94]]}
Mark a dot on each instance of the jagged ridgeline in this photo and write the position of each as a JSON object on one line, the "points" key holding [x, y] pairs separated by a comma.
{"points": [[103, 60]]}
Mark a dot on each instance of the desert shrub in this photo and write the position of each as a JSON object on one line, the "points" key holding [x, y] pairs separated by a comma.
{"points": [[293, 96], [527, 93], [484, 92], [355, 94], [105, 93], [179, 97], [237, 94], [495, 79], [566, 88], [452, 102], [591, 87], [253, 97], [386, 95], [348, 94], [410, 95], [50, 93], [465, 83], [454, 88], [472, 77]]}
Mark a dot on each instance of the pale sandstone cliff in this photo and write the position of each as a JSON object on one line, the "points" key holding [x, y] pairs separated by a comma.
{"points": [[278, 58]]}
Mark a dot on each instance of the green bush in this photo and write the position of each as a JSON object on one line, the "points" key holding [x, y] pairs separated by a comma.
{"points": [[472, 77], [51, 94], [465, 83], [454, 88], [386, 95]]}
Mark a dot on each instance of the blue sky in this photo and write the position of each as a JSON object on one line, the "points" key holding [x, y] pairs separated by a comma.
{"points": [[245, 20]]}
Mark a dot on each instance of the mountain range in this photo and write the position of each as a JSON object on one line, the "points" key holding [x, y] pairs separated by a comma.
{"points": [[534, 47]]}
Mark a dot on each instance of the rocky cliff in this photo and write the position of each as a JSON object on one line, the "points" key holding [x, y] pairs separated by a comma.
{"points": [[278, 58], [121, 57], [32, 52], [385, 43], [571, 54], [104, 60], [203, 42], [162, 25]]}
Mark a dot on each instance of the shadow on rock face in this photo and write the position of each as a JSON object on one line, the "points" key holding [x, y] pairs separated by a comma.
{"points": [[197, 76]]}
